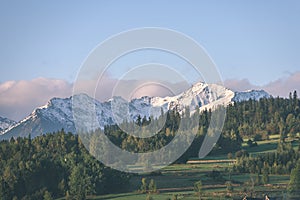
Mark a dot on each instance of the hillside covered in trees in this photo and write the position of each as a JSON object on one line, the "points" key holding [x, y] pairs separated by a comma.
{"points": [[53, 165], [248, 120]]}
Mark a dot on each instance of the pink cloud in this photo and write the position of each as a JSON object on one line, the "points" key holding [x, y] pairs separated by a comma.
{"points": [[280, 87], [19, 98], [239, 85]]}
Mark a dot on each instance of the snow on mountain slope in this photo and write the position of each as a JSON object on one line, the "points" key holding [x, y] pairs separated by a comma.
{"points": [[5, 123], [55, 115], [250, 94], [203, 95], [58, 113]]}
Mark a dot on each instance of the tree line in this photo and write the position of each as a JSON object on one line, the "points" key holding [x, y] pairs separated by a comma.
{"points": [[281, 161]]}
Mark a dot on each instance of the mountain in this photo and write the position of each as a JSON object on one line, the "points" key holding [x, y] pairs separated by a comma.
{"points": [[250, 94], [58, 114], [5, 123]]}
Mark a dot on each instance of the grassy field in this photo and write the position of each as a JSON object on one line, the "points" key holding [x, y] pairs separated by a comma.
{"points": [[179, 179], [181, 184]]}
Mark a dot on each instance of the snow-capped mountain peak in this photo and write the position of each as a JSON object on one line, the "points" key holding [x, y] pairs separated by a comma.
{"points": [[58, 112]]}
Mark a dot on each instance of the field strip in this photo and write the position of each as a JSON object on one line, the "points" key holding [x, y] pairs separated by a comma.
{"points": [[211, 161], [192, 188]]}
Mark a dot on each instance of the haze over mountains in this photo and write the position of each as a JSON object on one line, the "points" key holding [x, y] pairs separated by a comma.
{"points": [[57, 113]]}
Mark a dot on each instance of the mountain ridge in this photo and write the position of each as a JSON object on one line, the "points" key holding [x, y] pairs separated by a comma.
{"points": [[57, 114]]}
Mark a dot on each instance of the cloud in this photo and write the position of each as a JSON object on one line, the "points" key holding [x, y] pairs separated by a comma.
{"points": [[19, 98], [280, 87], [239, 85]]}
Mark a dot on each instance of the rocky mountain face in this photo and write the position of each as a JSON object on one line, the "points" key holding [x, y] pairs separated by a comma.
{"points": [[5, 123]]}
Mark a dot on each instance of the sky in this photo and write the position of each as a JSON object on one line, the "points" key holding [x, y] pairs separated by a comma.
{"points": [[254, 44]]}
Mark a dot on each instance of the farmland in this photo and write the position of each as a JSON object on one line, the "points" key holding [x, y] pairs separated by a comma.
{"points": [[177, 180]]}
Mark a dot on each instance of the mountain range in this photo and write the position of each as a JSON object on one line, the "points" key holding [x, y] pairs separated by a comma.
{"points": [[58, 114]]}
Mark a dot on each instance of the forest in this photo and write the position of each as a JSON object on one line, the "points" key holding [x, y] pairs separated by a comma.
{"points": [[53, 165], [249, 121]]}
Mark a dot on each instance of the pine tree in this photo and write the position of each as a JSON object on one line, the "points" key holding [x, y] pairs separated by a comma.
{"points": [[198, 188], [47, 195], [152, 186], [4, 189], [77, 183], [257, 179], [68, 196], [229, 187], [149, 197], [174, 197], [294, 184], [265, 177], [144, 185]]}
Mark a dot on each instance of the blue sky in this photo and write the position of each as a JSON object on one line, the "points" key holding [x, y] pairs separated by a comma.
{"points": [[254, 41], [257, 40]]}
